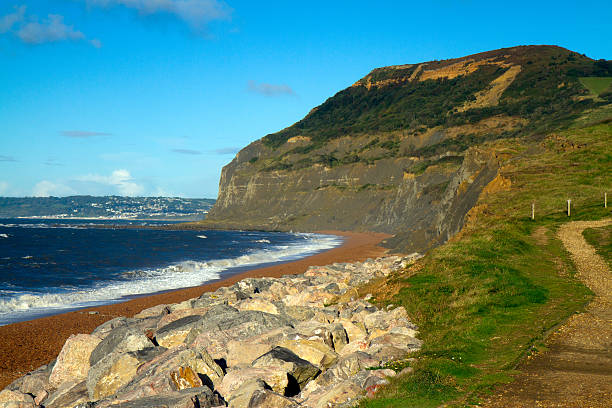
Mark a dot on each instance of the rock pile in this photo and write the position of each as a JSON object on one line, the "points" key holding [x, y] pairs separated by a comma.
{"points": [[264, 342]]}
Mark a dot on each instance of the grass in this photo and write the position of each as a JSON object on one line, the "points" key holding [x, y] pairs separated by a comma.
{"points": [[489, 297], [601, 239], [596, 85]]}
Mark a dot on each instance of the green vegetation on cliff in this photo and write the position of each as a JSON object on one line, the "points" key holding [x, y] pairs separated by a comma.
{"points": [[487, 299], [416, 97]]}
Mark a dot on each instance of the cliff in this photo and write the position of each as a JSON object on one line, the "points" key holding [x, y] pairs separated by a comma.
{"points": [[405, 149]]}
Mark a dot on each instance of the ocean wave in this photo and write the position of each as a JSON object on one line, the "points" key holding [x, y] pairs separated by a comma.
{"points": [[144, 281], [4, 235], [263, 241], [202, 236]]}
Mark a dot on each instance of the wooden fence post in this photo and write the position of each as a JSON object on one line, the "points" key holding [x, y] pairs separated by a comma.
{"points": [[605, 200], [533, 211], [569, 207]]}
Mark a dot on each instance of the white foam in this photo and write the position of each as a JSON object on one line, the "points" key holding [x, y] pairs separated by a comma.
{"points": [[263, 241], [4, 235], [139, 282], [202, 236]]}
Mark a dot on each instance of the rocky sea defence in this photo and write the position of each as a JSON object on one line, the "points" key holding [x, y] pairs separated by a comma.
{"points": [[295, 341]]}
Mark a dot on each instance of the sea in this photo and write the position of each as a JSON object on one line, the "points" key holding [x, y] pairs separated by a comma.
{"points": [[53, 266]]}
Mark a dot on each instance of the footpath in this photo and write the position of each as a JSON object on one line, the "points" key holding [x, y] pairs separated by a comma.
{"points": [[576, 369]]}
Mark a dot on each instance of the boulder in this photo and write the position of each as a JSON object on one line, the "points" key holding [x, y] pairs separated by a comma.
{"points": [[158, 310], [119, 340], [179, 314], [339, 336], [33, 383], [354, 331], [243, 352], [73, 361], [315, 352], [400, 341], [241, 396], [258, 304], [155, 376], [68, 394], [274, 378], [269, 399], [339, 394], [202, 397], [301, 370], [174, 333], [111, 373], [184, 378], [105, 328], [15, 399]]}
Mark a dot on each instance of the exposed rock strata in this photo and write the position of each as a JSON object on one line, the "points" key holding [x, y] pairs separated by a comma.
{"points": [[260, 343]]}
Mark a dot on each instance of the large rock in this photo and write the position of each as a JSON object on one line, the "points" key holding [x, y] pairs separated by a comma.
{"points": [[73, 361], [269, 399], [241, 396], [15, 399], [315, 352], [69, 394], [244, 352], [156, 376], [174, 333], [272, 377], [301, 370], [345, 393], [258, 304], [120, 340], [202, 397]]}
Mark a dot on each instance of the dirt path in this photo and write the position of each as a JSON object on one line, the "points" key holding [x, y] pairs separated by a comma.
{"points": [[576, 370]]}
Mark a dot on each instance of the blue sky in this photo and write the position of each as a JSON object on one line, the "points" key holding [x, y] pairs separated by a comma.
{"points": [[153, 97]]}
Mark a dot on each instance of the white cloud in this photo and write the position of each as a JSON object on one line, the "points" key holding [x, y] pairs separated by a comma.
{"points": [[121, 180], [270, 89], [30, 30], [50, 30], [46, 188], [195, 12], [7, 22], [187, 151], [82, 133]]}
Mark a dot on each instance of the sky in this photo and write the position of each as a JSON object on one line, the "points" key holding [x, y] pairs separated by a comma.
{"points": [[154, 97]]}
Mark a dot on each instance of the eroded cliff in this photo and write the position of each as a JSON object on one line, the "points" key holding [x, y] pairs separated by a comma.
{"points": [[405, 149]]}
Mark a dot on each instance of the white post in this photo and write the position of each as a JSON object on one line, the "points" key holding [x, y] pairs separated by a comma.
{"points": [[569, 207], [605, 200], [533, 211]]}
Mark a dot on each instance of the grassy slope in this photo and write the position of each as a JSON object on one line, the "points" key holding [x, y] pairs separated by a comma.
{"points": [[489, 297], [597, 85], [601, 239]]}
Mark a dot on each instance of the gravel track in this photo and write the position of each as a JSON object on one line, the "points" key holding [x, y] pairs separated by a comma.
{"points": [[576, 370]]}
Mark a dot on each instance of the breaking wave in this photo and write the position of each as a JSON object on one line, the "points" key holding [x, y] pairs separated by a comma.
{"points": [[20, 306]]}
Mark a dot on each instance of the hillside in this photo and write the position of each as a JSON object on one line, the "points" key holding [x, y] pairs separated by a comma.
{"points": [[400, 150], [488, 301]]}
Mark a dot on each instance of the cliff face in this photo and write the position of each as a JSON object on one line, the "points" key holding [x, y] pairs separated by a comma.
{"points": [[404, 150]]}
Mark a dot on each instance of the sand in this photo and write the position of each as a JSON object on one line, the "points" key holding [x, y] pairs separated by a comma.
{"points": [[26, 346]]}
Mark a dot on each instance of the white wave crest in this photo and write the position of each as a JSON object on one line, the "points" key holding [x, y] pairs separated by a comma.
{"points": [[263, 241], [4, 235], [16, 307], [202, 236]]}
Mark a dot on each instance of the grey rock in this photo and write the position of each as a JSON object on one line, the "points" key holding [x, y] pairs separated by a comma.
{"points": [[203, 397], [67, 395], [119, 340], [301, 370]]}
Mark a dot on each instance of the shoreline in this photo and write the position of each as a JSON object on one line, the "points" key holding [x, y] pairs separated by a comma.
{"points": [[27, 345]]}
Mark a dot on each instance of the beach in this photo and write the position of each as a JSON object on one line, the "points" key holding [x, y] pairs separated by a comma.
{"points": [[27, 345]]}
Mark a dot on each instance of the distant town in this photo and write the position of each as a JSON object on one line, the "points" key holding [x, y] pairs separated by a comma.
{"points": [[106, 207]]}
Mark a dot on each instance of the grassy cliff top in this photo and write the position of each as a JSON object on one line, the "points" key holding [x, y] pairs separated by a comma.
{"points": [[540, 84]]}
